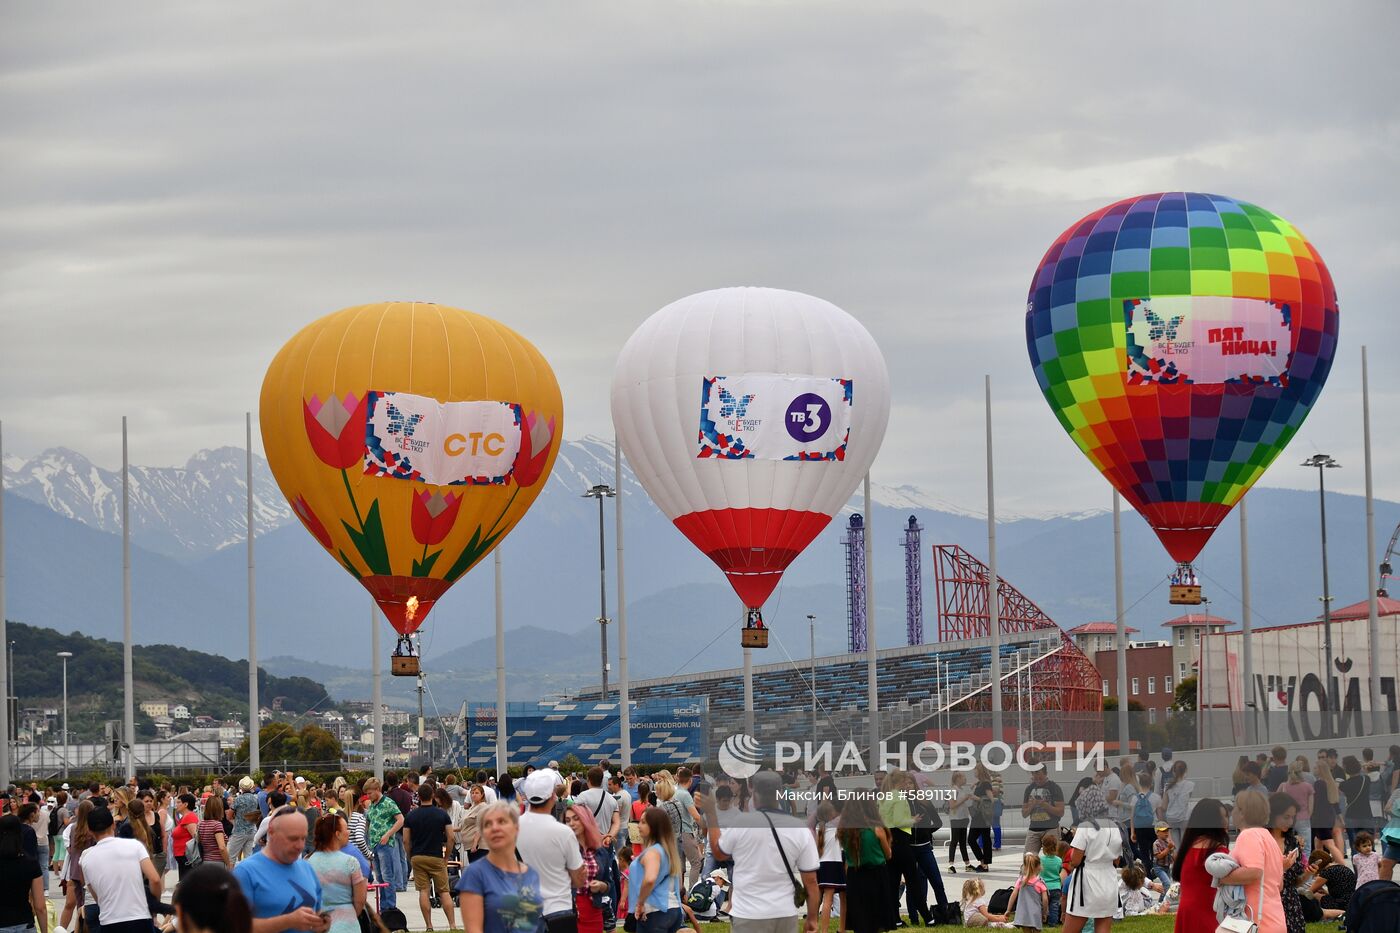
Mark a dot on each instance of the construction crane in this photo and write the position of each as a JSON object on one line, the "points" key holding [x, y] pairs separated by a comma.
{"points": [[1388, 568]]}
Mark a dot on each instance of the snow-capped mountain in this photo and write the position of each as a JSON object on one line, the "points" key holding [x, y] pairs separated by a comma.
{"points": [[189, 512], [181, 512], [64, 567]]}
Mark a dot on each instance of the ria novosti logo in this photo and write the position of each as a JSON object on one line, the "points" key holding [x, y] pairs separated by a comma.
{"points": [[740, 756]]}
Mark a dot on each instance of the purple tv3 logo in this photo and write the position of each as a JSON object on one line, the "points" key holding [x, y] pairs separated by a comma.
{"points": [[808, 416]]}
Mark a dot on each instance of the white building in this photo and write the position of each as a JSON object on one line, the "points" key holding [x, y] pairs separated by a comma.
{"points": [[180, 711]]}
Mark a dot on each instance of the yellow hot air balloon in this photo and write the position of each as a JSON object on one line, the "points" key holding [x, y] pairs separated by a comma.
{"points": [[409, 439]]}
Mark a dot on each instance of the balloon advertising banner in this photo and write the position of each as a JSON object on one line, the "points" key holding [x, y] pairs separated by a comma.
{"points": [[1207, 340], [1181, 339], [409, 438], [444, 443], [768, 416]]}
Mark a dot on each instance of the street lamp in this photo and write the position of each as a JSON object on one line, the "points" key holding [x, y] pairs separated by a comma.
{"points": [[812, 641], [65, 655], [600, 492], [1324, 462]]}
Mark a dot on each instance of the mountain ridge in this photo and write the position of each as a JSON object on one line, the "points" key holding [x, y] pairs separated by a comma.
{"points": [[66, 573]]}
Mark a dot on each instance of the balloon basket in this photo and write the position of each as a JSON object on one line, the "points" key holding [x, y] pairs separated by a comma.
{"points": [[754, 637], [1185, 595], [403, 665]]}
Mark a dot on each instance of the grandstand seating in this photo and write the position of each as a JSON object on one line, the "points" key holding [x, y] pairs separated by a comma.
{"points": [[914, 682]]}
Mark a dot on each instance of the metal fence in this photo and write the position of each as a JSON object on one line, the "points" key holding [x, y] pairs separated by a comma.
{"points": [[44, 761]]}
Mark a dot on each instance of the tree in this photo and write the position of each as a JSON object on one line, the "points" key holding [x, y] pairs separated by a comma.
{"points": [[278, 741], [1185, 700], [318, 745]]}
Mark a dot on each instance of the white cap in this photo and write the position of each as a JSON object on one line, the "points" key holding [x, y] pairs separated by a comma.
{"points": [[300, 779], [540, 785]]}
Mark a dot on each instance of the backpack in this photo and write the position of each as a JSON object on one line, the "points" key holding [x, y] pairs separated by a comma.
{"points": [[987, 812], [1374, 908], [1000, 900], [1142, 812], [393, 919], [701, 897], [53, 821]]}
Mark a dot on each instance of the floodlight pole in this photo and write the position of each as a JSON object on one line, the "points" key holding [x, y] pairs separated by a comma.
{"points": [[600, 492]]}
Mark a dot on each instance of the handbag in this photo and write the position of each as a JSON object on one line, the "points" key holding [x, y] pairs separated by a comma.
{"points": [[1244, 924], [799, 891], [193, 849]]}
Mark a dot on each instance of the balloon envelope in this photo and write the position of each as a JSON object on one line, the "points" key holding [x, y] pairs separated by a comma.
{"points": [[409, 439], [1181, 339], [750, 415]]}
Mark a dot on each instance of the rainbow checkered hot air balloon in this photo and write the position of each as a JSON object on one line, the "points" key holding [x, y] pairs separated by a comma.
{"points": [[1181, 339]]}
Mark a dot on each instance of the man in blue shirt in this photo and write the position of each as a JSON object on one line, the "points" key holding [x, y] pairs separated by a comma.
{"points": [[283, 890], [269, 785]]}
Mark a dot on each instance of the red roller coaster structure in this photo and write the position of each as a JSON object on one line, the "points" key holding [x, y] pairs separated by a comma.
{"points": [[1063, 680]]}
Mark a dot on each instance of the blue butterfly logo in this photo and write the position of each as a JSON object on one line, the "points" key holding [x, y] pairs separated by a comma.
{"points": [[1158, 329], [398, 424], [732, 408]]}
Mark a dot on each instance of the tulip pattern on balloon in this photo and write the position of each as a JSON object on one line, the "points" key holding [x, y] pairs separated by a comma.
{"points": [[423, 436]]}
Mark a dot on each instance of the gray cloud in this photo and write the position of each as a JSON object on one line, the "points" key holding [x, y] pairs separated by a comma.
{"points": [[183, 188]]}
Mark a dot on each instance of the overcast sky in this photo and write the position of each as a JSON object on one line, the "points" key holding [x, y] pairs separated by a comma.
{"points": [[183, 186]]}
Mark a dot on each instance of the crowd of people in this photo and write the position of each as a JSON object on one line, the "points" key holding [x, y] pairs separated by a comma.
{"points": [[659, 851]]}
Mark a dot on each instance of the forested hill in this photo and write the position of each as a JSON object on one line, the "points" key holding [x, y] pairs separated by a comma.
{"points": [[207, 684]]}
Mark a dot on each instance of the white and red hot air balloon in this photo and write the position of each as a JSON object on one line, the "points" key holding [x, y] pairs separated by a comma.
{"points": [[750, 415]]}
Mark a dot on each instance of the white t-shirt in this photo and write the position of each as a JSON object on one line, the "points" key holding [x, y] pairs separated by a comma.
{"points": [[831, 848], [1112, 786], [112, 873], [551, 849], [1178, 800], [762, 887], [606, 807], [623, 800], [488, 793]]}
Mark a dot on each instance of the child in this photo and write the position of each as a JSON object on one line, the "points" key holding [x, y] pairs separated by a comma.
{"points": [[624, 859], [974, 907], [1066, 872], [1029, 899], [1135, 891], [1365, 860], [831, 867], [1163, 852], [1050, 867]]}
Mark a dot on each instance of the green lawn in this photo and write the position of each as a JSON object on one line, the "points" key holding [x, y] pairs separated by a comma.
{"points": [[1131, 925]]}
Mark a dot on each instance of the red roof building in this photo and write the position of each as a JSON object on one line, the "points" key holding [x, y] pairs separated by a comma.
{"points": [[1385, 606]]}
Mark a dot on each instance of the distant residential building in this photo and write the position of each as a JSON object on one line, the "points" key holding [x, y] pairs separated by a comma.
{"points": [[1092, 637], [395, 717], [1186, 639], [155, 708], [264, 714], [277, 704], [180, 711], [164, 725], [231, 732], [331, 715], [342, 730], [205, 722]]}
